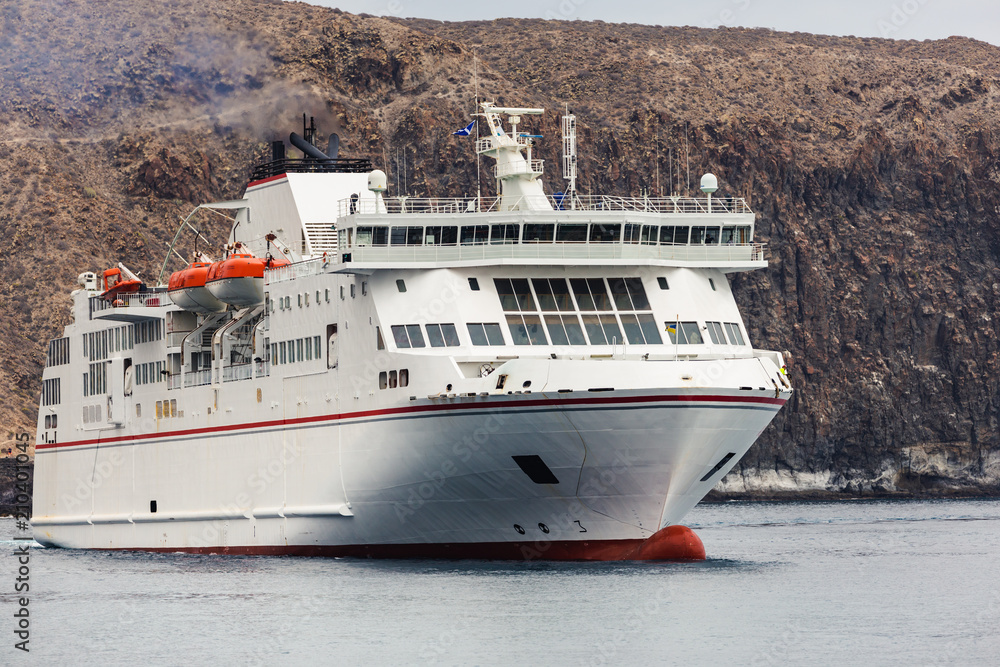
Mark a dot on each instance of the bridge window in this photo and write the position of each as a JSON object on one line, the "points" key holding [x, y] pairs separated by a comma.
{"points": [[407, 336], [441, 236], [475, 235], [566, 233], [565, 330], [712, 236], [526, 330], [684, 333], [605, 233], [485, 334], [735, 335], [515, 295], [649, 235], [504, 234], [715, 333], [697, 235], [442, 335], [377, 236], [539, 233]]}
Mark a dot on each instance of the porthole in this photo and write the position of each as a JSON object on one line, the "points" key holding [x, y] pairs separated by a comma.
{"points": [[519, 529], [542, 527], [526, 384]]}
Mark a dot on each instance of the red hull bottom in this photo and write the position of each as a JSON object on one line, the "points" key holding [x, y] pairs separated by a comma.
{"points": [[670, 543]]}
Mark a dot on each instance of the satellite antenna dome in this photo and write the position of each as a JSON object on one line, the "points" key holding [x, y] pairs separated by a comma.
{"points": [[709, 183], [377, 181]]}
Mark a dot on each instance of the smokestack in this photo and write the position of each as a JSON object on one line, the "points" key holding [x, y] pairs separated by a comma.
{"points": [[308, 148], [277, 151], [333, 148]]}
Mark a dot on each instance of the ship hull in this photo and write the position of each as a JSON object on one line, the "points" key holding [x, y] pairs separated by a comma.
{"points": [[431, 479]]}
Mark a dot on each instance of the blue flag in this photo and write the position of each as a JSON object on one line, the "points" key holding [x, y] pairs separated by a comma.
{"points": [[465, 131]]}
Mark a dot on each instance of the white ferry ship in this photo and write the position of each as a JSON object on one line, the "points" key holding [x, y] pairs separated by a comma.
{"points": [[526, 376]]}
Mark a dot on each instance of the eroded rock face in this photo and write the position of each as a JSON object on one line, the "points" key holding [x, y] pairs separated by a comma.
{"points": [[872, 165]]}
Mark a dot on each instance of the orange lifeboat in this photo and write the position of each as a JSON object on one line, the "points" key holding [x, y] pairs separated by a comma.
{"points": [[187, 288], [239, 279], [116, 284]]}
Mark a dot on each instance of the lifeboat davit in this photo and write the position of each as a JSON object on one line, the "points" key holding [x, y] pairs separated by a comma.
{"points": [[116, 284], [239, 279], [187, 288]]}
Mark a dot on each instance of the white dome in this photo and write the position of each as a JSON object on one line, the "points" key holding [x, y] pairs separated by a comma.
{"points": [[709, 183], [377, 181]]}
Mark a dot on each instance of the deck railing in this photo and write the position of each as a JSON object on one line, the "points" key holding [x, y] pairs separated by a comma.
{"points": [[309, 267], [150, 299], [591, 203]]}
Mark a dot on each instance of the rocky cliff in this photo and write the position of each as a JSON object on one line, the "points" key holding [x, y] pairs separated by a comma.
{"points": [[872, 165]]}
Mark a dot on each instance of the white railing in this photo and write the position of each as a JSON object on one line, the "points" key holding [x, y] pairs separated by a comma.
{"points": [[137, 300], [309, 267], [740, 252], [590, 203], [239, 372], [174, 381], [511, 168], [262, 368], [198, 378]]}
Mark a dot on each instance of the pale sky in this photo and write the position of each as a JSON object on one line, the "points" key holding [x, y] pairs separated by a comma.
{"points": [[896, 19]]}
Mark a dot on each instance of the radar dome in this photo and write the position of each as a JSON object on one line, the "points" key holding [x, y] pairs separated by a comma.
{"points": [[709, 183], [377, 181]]}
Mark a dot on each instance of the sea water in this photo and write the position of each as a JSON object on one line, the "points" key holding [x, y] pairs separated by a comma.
{"points": [[819, 583]]}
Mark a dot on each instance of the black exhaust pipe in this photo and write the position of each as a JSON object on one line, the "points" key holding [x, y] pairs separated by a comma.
{"points": [[308, 148], [333, 148]]}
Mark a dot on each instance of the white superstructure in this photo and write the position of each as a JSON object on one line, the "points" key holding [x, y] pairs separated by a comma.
{"points": [[518, 377]]}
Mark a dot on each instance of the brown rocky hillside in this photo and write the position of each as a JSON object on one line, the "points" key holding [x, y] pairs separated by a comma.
{"points": [[872, 165]]}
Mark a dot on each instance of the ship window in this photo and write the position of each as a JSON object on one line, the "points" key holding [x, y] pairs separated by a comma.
{"points": [[441, 236], [485, 334], [712, 236], [281, 349], [328, 295], [684, 333], [474, 284], [159, 409], [595, 333], [727, 235], [475, 234], [342, 295], [680, 235], [568, 233], [546, 301], [288, 302], [353, 289], [715, 333], [442, 335], [404, 377], [306, 295], [565, 330], [526, 330], [407, 336], [712, 283], [274, 353], [317, 298], [300, 299], [173, 408], [383, 380], [591, 294], [539, 233], [400, 285], [632, 330], [515, 294], [631, 233], [392, 379], [662, 282], [138, 409], [605, 233], [697, 235], [372, 236], [318, 346], [503, 234], [309, 349], [649, 235], [364, 288], [379, 341], [735, 336]]}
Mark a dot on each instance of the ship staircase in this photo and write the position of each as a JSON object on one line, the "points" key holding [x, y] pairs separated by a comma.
{"points": [[232, 346]]}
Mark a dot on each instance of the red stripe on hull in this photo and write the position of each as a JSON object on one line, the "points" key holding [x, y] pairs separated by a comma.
{"points": [[670, 543], [471, 405]]}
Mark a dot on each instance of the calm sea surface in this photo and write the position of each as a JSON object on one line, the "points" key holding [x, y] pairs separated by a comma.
{"points": [[845, 583]]}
